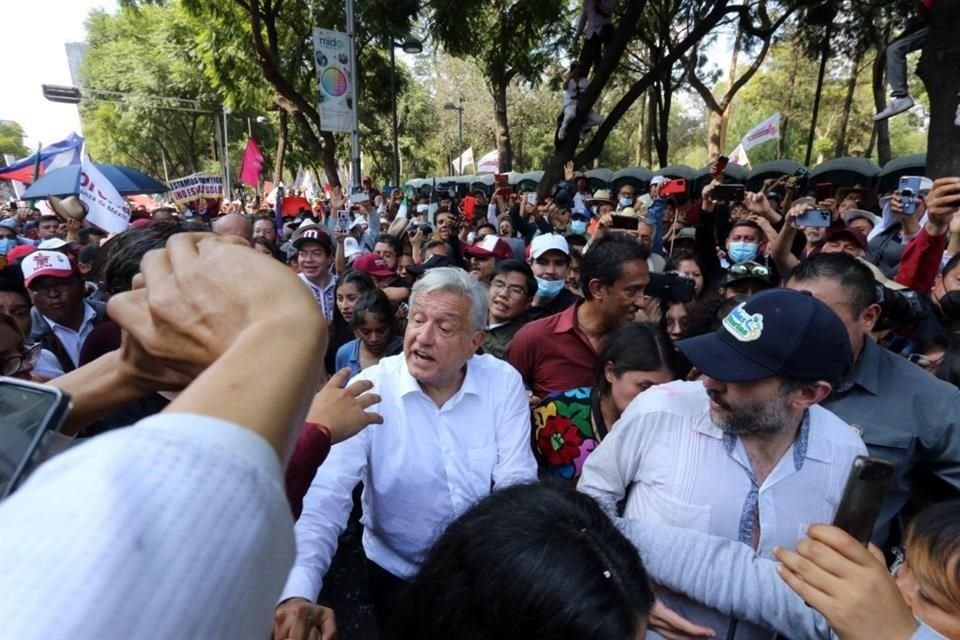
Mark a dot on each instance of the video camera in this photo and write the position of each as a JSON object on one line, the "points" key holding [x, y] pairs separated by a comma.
{"points": [[671, 287], [898, 308]]}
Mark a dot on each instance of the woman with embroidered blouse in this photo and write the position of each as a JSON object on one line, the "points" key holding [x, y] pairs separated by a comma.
{"points": [[568, 425]]}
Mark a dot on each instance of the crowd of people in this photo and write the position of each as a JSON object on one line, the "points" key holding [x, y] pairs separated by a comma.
{"points": [[579, 414]]}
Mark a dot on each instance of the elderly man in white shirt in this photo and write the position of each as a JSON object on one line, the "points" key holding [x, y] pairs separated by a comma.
{"points": [[747, 455], [456, 426]]}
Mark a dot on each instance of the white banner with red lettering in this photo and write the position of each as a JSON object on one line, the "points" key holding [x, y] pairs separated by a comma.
{"points": [[769, 129], [105, 206], [489, 163]]}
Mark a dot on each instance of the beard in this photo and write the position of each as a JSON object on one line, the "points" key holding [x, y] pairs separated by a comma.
{"points": [[753, 418]]}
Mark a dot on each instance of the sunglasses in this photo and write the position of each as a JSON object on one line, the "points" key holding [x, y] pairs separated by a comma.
{"points": [[749, 269], [14, 364]]}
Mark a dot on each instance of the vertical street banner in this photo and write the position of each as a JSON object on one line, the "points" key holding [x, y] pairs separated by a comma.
{"points": [[331, 52], [105, 206]]}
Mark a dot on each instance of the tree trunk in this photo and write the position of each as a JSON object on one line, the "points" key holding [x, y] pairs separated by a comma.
{"points": [[504, 148], [281, 148], [879, 101], [651, 126], [727, 104], [785, 115], [841, 148], [714, 127], [641, 132], [941, 75], [663, 116]]}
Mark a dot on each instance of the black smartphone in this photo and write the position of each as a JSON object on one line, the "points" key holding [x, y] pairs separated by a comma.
{"points": [[863, 496], [728, 192], [29, 411], [671, 287], [814, 218], [624, 223]]}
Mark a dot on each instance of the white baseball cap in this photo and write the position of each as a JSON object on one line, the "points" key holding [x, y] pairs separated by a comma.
{"points": [[351, 248], [657, 180], [548, 242], [53, 244], [45, 263]]}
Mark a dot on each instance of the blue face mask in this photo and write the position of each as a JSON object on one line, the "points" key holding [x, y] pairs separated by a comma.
{"points": [[6, 244], [626, 202], [578, 226], [743, 251], [548, 289], [596, 209]]}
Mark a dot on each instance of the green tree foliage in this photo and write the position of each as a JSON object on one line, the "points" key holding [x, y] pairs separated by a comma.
{"points": [[508, 40], [11, 139], [786, 84], [147, 54]]}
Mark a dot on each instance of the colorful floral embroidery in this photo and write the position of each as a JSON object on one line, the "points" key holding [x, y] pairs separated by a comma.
{"points": [[563, 432]]}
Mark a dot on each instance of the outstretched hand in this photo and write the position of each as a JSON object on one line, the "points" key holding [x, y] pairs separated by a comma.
{"points": [[343, 410]]}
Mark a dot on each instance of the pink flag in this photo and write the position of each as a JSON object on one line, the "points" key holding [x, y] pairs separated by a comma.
{"points": [[251, 165]]}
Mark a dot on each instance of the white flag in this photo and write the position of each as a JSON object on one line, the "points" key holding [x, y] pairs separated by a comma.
{"points": [[105, 206], [463, 161], [309, 186], [769, 129], [489, 163], [298, 181], [739, 156]]}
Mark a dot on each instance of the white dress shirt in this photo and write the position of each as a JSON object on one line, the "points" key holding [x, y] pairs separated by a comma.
{"points": [[73, 340], [676, 467], [177, 527], [423, 467]]}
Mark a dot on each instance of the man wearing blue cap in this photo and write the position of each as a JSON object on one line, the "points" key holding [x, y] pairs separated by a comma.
{"points": [[745, 454]]}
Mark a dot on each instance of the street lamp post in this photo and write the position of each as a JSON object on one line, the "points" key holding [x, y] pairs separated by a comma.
{"points": [[409, 46], [459, 109]]}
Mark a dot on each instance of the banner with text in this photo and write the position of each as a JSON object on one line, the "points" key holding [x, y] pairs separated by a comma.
{"points": [[105, 206], [196, 186], [331, 52]]}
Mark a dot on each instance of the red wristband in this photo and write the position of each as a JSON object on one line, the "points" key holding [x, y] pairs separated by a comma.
{"points": [[324, 429]]}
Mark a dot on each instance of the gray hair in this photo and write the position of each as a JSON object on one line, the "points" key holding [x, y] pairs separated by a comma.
{"points": [[458, 281]]}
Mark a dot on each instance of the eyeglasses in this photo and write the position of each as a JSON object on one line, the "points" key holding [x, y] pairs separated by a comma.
{"points": [[512, 289], [14, 364], [59, 286], [749, 269]]}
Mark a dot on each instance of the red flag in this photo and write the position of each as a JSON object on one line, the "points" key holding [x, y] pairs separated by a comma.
{"points": [[251, 165]]}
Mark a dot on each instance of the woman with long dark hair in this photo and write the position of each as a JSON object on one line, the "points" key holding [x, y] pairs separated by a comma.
{"points": [[568, 425]]}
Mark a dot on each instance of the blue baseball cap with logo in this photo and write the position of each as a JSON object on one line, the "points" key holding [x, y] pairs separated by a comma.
{"points": [[778, 332]]}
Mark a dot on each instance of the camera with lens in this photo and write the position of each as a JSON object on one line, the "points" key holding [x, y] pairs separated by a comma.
{"points": [[671, 287], [426, 228], [898, 308]]}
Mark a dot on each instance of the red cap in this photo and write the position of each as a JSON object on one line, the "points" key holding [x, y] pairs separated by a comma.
{"points": [[19, 252], [490, 246], [850, 234], [372, 264]]}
